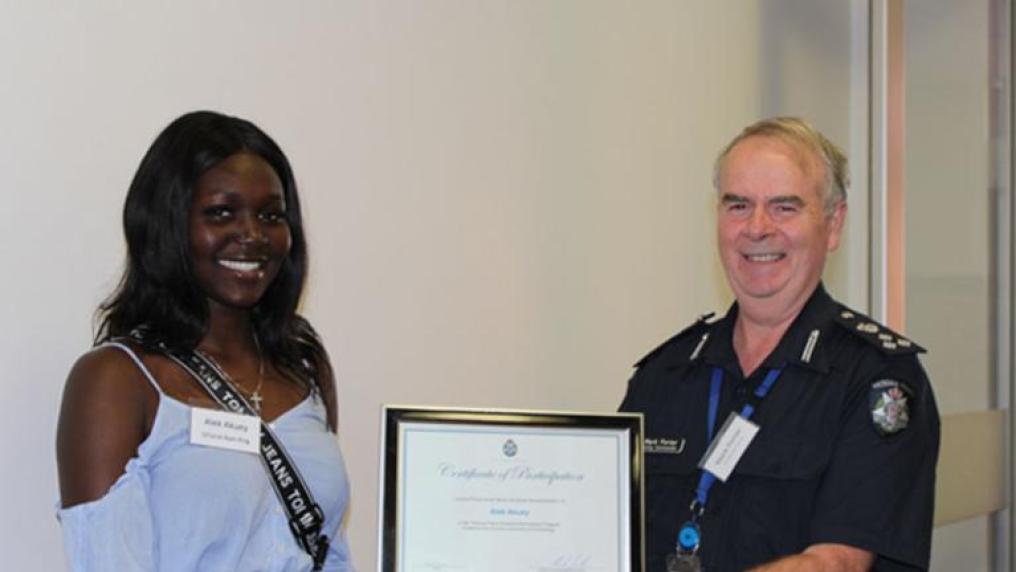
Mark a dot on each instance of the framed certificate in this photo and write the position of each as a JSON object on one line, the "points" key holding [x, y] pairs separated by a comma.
{"points": [[510, 491]]}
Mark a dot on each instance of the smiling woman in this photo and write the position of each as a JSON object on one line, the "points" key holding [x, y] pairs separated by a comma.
{"points": [[151, 473], [239, 236]]}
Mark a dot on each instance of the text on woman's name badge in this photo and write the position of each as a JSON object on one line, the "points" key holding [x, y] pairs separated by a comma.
{"points": [[225, 430]]}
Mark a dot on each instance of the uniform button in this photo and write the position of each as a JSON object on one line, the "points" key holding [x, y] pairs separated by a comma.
{"points": [[740, 391]]}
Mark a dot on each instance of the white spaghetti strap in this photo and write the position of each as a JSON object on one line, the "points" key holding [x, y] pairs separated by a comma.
{"points": [[127, 350]]}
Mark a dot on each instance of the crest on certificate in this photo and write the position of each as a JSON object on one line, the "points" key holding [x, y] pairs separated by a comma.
{"points": [[510, 448]]}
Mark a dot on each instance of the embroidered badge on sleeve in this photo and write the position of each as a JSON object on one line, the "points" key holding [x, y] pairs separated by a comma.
{"points": [[889, 401]]}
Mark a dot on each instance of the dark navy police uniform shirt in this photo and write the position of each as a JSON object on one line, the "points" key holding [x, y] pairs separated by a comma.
{"points": [[831, 462]]}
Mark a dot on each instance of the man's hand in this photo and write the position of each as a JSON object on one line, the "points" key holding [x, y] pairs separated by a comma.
{"points": [[822, 558]]}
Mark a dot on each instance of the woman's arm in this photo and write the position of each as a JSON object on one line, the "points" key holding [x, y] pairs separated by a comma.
{"points": [[102, 422]]}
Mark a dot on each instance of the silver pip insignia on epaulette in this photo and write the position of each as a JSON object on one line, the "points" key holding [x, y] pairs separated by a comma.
{"points": [[876, 334]]}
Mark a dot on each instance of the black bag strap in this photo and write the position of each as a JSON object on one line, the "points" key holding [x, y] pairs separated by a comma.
{"points": [[306, 520]]}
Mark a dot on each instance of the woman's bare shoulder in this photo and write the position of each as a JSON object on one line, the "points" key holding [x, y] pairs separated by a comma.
{"points": [[105, 365], [101, 424]]}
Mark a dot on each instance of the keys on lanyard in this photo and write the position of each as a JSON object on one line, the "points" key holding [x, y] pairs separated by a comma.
{"points": [[683, 563]]}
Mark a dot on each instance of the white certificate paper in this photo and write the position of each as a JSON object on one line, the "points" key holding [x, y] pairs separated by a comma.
{"points": [[513, 498]]}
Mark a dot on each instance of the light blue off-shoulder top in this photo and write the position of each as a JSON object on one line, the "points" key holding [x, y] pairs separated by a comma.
{"points": [[183, 507]]}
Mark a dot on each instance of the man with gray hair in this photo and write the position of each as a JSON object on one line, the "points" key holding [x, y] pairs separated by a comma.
{"points": [[793, 433]]}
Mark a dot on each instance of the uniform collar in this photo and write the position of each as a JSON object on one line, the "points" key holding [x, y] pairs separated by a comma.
{"points": [[801, 346]]}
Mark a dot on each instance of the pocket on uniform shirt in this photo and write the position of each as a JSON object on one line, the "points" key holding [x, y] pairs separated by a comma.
{"points": [[681, 464], [774, 497], [786, 456]]}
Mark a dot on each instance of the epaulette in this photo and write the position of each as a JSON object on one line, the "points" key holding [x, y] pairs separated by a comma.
{"points": [[886, 340], [697, 327]]}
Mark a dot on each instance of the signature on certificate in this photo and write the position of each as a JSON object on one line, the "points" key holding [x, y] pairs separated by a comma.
{"points": [[567, 563]]}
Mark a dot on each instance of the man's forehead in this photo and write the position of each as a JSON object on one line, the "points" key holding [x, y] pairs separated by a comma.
{"points": [[807, 159], [749, 152]]}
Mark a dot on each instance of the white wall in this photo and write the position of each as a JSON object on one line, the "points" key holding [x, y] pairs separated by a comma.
{"points": [[508, 202]]}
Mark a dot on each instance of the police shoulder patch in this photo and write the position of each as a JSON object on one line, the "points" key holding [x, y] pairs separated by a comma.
{"points": [[889, 403], [886, 340]]}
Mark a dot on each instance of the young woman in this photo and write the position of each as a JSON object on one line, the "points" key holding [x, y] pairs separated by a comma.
{"points": [[216, 264]]}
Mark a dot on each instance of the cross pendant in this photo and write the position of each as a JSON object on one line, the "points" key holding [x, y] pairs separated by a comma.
{"points": [[255, 400]]}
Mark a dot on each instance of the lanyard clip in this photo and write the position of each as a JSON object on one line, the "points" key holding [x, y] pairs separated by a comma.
{"points": [[696, 508]]}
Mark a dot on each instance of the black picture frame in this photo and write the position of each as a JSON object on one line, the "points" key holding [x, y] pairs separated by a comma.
{"points": [[628, 426]]}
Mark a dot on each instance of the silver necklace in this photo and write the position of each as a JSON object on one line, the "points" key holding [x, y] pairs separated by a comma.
{"points": [[255, 396]]}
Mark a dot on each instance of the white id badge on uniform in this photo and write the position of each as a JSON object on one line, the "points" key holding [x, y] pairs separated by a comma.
{"points": [[225, 430], [728, 446]]}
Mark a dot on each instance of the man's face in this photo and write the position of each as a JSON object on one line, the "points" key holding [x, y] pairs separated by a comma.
{"points": [[773, 232]]}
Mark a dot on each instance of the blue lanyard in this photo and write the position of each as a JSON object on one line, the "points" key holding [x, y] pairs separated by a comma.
{"points": [[690, 535], [707, 479]]}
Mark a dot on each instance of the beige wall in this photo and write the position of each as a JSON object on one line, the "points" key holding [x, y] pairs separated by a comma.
{"points": [[508, 202]]}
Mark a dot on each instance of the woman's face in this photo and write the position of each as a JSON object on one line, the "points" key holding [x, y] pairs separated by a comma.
{"points": [[239, 235]]}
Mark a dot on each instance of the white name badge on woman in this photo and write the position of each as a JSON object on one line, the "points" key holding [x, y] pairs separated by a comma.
{"points": [[225, 430]]}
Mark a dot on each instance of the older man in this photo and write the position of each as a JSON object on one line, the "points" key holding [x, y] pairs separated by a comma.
{"points": [[823, 425]]}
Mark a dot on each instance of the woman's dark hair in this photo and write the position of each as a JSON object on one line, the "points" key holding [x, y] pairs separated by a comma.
{"points": [[158, 295]]}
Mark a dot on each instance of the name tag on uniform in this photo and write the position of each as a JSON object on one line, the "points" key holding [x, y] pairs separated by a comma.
{"points": [[225, 430], [729, 445], [664, 445]]}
